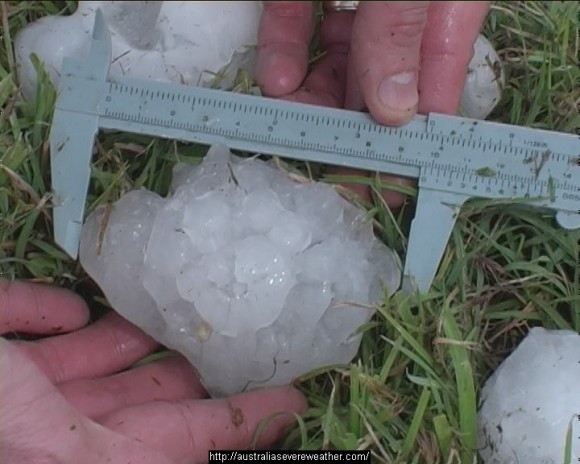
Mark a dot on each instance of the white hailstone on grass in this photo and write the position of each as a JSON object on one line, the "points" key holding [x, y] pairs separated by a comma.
{"points": [[254, 277], [484, 82], [181, 42], [530, 406], [188, 42]]}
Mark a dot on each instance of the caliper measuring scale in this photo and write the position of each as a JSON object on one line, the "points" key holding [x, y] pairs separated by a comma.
{"points": [[452, 158]]}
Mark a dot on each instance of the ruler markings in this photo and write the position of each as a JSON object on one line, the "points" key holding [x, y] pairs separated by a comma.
{"points": [[453, 158], [515, 183], [168, 123]]}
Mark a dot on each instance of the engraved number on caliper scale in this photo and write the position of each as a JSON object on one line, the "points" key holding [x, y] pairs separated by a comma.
{"points": [[453, 159]]}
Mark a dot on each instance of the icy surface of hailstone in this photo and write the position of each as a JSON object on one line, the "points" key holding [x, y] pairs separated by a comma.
{"points": [[255, 278], [174, 41], [532, 402]]}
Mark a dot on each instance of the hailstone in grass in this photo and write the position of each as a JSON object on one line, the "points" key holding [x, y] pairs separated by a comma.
{"points": [[173, 41], [256, 278], [530, 411], [484, 82]]}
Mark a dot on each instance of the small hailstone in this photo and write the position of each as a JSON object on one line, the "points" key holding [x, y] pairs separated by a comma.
{"points": [[255, 278], [531, 404], [484, 83]]}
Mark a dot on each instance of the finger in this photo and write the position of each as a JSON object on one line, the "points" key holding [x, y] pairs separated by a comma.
{"points": [[362, 190], [39, 309], [283, 41], [393, 198], [169, 379], [353, 99], [383, 71], [325, 84], [447, 49], [108, 346], [448, 41], [385, 57], [185, 431]]}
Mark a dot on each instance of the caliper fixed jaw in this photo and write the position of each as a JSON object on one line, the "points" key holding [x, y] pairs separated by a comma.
{"points": [[97, 63], [75, 125]]}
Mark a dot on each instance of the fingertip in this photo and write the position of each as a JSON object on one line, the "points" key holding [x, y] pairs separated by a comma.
{"points": [[296, 399], [447, 50], [386, 57], [61, 296], [363, 191], [283, 42], [393, 199], [353, 99], [398, 99], [280, 68], [310, 97], [39, 308], [188, 429], [275, 411], [389, 116], [395, 99], [274, 400]]}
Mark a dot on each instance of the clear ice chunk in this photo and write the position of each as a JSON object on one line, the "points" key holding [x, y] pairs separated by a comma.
{"points": [[530, 407], [291, 233], [114, 246], [260, 211], [254, 277]]}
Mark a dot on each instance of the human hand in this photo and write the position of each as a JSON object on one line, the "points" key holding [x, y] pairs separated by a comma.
{"points": [[64, 398], [392, 58]]}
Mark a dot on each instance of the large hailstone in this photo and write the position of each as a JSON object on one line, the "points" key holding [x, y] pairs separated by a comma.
{"points": [[531, 404], [178, 41], [255, 278]]}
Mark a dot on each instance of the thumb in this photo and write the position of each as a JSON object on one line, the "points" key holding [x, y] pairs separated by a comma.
{"points": [[385, 57]]}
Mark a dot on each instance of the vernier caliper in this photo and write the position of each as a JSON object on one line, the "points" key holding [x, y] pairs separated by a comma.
{"points": [[453, 158]]}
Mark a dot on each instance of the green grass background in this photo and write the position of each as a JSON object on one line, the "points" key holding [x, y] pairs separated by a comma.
{"points": [[411, 394]]}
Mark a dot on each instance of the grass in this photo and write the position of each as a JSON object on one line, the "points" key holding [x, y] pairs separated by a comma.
{"points": [[411, 394]]}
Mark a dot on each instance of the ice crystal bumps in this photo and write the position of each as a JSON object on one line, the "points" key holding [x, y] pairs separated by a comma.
{"points": [[254, 277]]}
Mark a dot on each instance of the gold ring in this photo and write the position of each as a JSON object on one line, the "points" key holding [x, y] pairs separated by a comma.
{"points": [[339, 6]]}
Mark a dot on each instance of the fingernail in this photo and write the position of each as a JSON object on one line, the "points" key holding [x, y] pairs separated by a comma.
{"points": [[399, 92]]}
